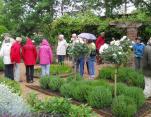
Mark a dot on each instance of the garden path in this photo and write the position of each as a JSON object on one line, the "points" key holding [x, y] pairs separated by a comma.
{"points": [[25, 89]]}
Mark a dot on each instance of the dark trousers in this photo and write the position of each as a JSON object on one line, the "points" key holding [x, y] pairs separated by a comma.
{"points": [[138, 61], [9, 71], [61, 59], [29, 72]]}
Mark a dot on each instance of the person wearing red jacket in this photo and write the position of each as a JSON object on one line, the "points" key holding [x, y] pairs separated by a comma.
{"points": [[15, 56], [29, 54], [99, 42]]}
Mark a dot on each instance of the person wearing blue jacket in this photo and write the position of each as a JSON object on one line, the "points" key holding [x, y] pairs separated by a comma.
{"points": [[138, 49]]}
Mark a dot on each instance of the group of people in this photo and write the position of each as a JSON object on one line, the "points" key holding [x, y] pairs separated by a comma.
{"points": [[13, 53], [142, 55], [80, 61]]}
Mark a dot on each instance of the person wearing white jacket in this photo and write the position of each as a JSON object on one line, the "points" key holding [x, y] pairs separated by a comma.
{"points": [[61, 48], [5, 53]]}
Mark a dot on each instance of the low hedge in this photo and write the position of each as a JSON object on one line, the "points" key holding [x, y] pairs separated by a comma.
{"points": [[59, 106], [125, 75], [15, 86], [133, 92], [52, 83], [44, 82], [80, 90], [55, 83], [123, 106], [56, 69], [100, 97]]}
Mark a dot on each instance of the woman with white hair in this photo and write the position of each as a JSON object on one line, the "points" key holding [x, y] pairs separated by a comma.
{"points": [[16, 57], [61, 48], [147, 69], [5, 53]]}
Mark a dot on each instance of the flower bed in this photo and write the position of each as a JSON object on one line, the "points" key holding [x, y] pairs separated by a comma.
{"points": [[59, 106], [11, 104], [56, 70], [125, 75], [15, 86], [99, 94]]}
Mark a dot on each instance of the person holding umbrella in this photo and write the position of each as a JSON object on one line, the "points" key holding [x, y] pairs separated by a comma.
{"points": [[90, 38], [91, 59]]}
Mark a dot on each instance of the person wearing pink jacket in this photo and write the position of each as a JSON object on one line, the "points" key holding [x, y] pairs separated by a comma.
{"points": [[45, 57]]}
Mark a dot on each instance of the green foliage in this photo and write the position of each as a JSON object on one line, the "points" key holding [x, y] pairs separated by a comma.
{"points": [[60, 69], [44, 82], [123, 106], [60, 106], [81, 111], [71, 78], [78, 50], [106, 73], [133, 92], [125, 75], [57, 106], [100, 97], [3, 29], [11, 84], [1, 64], [55, 83], [79, 90], [56, 69], [81, 23], [52, 83]]}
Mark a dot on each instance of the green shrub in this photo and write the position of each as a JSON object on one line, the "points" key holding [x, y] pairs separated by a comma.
{"points": [[80, 92], [100, 97], [125, 75], [106, 73], [66, 90], [71, 78], [44, 82], [121, 88], [57, 69], [137, 94], [1, 64], [60, 106], [15, 86], [57, 106], [55, 83], [133, 92], [123, 106], [81, 111]]}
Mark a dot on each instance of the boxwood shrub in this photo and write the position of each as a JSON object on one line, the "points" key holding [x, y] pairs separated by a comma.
{"points": [[100, 97], [125, 75], [123, 106]]}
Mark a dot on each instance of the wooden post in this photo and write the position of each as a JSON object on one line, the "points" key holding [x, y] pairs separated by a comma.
{"points": [[115, 81]]}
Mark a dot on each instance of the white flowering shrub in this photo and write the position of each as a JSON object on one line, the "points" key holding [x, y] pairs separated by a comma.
{"points": [[11, 103], [78, 49], [117, 52]]}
